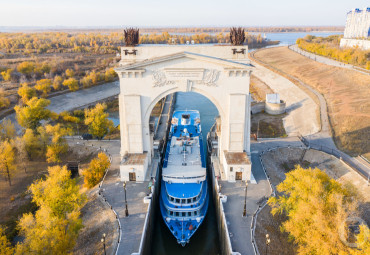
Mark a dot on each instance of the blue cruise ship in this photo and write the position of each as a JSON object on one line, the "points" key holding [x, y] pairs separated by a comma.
{"points": [[184, 195]]}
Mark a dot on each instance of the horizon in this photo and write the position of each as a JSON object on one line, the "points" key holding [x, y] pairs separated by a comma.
{"points": [[216, 13]]}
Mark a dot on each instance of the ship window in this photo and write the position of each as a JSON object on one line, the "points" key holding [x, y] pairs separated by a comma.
{"points": [[194, 199], [171, 198], [195, 213], [177, 200], [189, 214], [189, 200], [177, 213], [183, 214], [183, 201], [171, 213]]}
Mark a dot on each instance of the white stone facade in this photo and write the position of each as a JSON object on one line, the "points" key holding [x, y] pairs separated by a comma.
{"points": [[358, 24], [362, 44], [148, 73]]}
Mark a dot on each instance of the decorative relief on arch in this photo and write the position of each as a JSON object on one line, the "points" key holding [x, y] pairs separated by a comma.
{"points": [[160, 79], [207, 77], [210, 76]]}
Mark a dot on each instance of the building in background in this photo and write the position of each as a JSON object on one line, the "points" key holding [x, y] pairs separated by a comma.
{"points": [[357, 30]]}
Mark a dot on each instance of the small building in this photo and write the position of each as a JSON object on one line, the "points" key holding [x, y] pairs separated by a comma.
{"points": [[134, 167], [237, 165]]}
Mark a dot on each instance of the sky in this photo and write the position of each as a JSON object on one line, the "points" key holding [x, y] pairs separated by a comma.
{"points": [[172, 13]]}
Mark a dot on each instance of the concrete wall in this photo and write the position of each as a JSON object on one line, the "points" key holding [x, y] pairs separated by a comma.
{"points": [[362, 44], [258, 107], [147, 236], [224, 238], [275, 109], [147, 51]]}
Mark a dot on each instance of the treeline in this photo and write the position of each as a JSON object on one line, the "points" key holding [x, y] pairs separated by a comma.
{"points": [[247, 29], [58, 42], [329, 47], [253, 41], [101, 43]]}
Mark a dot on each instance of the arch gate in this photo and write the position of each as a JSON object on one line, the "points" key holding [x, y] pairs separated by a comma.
{"points": [[219, 72]]}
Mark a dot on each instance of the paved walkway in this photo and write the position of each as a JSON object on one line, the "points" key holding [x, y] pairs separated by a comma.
{"points": [[326, 60], [162, 127], [301, 109], [113, 191], [240, 227]]}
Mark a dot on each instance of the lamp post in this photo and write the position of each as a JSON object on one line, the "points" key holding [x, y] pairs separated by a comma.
{"points": [[126, 210], [245, 199], [103, 242], [267, 242]]}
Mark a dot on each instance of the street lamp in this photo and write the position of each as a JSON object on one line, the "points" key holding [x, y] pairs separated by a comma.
{"points": [[126, 211], [245, 199], [103, 242], [267, 242]]}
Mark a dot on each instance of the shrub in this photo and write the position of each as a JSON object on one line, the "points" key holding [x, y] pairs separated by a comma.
{"points": [[95, 172], [71, 83]]}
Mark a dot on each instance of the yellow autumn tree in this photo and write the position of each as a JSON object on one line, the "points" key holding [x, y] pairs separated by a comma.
{"points": [[30, 115], [5, 246], [57, 82], [71, 83], [54, 227], [316, 206], [4, 101], [58, 144], [95, 172], [110, 74], [26, 67], [70, 73], [44, 85], [7, 75], [7, 158], [31, 143], [58, 191], [97, 121], [45, 233], [363, 241], [7, 130], [26, 92]]}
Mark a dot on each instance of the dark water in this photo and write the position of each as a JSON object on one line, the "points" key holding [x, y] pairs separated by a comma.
{"points": [[205, 239]]}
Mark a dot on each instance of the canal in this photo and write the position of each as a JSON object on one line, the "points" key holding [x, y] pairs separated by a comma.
{"points": [[205, 240]]}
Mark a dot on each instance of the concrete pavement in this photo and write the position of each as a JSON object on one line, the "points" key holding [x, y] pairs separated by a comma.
{"points": [[301, 109], [240, 227]]}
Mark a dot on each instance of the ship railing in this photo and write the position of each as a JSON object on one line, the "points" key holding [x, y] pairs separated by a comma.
{"points": [[182, 177]]}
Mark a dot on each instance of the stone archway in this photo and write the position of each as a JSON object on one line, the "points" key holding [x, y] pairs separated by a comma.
{"points": [[149, 73]]}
